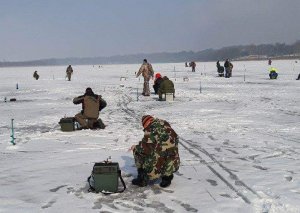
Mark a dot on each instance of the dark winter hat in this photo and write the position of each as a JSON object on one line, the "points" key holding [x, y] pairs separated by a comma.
{"points": [[89, 91], [146, 120]]}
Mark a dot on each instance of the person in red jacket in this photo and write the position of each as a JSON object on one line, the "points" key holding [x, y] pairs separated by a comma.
{"points": [[157, 82]]}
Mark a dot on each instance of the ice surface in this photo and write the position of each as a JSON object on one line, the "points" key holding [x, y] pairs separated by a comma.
{"points": [[239, 140]]}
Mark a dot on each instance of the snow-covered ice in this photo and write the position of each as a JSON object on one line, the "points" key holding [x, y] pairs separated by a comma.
{"points": [[239, 140]]}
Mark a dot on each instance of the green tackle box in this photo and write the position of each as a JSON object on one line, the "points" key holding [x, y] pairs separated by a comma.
{"points": [[67, 124], [105, 177]]}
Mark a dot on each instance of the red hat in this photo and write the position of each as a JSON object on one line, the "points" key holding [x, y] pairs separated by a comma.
{"points": [[146, 120], [157, 75]]}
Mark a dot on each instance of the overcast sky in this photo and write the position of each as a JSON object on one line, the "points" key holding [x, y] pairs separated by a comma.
{"points": [[36, 29]]}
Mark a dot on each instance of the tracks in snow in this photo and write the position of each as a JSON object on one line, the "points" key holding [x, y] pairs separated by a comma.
{"points": [[231, 180], [218, 169]]}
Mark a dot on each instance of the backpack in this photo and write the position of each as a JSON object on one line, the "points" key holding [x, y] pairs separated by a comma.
{"points": [[91, 106]]}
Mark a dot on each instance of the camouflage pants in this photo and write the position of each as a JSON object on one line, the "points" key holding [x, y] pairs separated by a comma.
{"points": [[69, 76], [146, 89], [157, 165]]}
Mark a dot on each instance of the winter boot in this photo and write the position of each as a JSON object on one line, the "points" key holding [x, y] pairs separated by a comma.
{"points": [[141, 179], [166, 181]]}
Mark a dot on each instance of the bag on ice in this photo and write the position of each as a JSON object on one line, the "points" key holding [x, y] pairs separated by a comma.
{"points": [[105, 178], [67, 124]]}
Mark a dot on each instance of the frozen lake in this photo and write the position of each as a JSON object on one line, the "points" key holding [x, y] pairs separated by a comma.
{"points": [[239, 139]]}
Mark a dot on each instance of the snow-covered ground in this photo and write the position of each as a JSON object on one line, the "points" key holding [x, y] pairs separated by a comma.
{"points": [[239, 140]]}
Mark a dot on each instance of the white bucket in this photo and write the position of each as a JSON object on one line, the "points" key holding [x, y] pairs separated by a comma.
{"points": [[169, 97]]}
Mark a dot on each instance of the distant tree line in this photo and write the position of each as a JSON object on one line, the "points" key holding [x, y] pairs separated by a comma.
{"points": [[240, 52]]}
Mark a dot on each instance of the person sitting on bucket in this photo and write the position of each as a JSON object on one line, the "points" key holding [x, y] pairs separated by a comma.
{"points": [[273, 73], [91, 105], [156, 155], [157, 82], [166, 86]]}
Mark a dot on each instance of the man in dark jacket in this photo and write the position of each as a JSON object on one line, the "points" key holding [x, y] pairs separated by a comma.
{"points": [[91, 105], [193, 65], [157, 82], [166, 86], [273, 73], [227, 68], [156, 155], [69, 72], [36, 75]]}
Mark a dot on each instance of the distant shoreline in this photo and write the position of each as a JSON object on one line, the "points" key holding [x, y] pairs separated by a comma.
{"points": [[251, 52]]}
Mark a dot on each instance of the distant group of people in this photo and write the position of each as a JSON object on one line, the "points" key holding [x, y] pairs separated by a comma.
{"points": [[191, 64], [69, 73], [162, 85], [156, 154], [228, 66]]}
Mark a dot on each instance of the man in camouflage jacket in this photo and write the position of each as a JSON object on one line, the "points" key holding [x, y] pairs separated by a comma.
{"points": [[147, 71], [69, 72], [156, 155]]}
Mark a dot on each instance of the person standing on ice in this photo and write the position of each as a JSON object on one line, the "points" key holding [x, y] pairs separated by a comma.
{"points": [[69, 72], [227, 68], [156, 155], [147, 71], [298, 77], [193, 65], [270, 62]]}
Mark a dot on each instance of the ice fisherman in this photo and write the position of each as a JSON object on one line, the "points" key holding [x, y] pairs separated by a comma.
{"points": [[193, 65], [91, 105], [69, 72], [157, 81], [228, 68], [156, 155], [166, 86], [36, 75], [147, 71], [220, 69], [269, 62], [273, 73]]}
